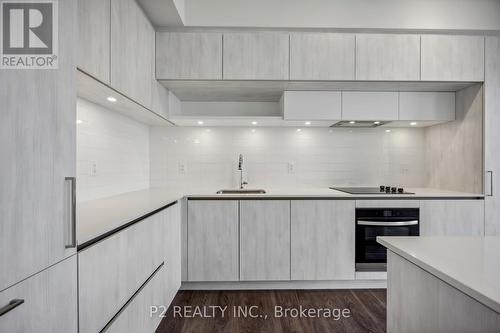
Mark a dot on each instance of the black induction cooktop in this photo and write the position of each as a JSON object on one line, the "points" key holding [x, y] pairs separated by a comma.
{"points": [[372, 190]]}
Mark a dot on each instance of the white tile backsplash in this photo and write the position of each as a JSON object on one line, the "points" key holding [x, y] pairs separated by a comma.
{"points": [[112, 152], [320, 157]]}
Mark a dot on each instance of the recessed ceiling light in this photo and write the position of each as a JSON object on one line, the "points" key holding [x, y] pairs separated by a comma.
{"points": [[307, 123], [254, 123], [299, 129], [352, 122], [414, 123], [78, 121], [200, 122], [111, 99], [376, 122], [388, 131]]}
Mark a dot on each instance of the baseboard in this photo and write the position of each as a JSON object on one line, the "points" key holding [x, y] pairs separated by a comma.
{"points": [[266, 285]]}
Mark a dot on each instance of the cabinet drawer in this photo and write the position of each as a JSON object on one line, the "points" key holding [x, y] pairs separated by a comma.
{"points": [[312, 105], [433, 106], [113, 269], [135, 316], [50, 301]]}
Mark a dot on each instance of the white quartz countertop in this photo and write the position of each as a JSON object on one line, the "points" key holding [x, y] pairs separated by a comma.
{"points": [[470, 264], [97, 217]]}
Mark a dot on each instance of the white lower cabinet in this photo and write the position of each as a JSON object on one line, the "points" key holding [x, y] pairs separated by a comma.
{"points": [[322, 239], [112, 270], [264, 240], [50, 301], [452, 218], [142, 313], [213, 240]]}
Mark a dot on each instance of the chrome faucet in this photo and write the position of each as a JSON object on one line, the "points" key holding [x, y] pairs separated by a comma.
{"points": [[240, 169]]}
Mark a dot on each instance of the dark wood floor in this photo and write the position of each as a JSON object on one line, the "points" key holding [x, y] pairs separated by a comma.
{"points": [[367, 308]]}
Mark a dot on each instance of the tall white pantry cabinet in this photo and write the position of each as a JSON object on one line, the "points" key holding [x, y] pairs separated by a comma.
{"points": [[37, 226]]}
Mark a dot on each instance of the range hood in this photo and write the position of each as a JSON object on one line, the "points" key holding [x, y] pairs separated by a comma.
{"points": [[360, 124]]}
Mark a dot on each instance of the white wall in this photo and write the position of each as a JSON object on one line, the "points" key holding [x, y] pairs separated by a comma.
{"points": [[357, 14], [322, 157], [118, 146]]}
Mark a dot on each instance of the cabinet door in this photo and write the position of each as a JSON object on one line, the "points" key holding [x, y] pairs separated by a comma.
{"points": [[188, 56], [368, 105], [172, 246], [94, 45], [452, 58], [213, 240], [137, 315], [321, 56], [438, 106], [256, 56], [323, 239], [132, 44], [38, 145], [111, 271], [50, 301], [312, 105], [492, 136], [264, 240], [387, 57], [452, 218]]}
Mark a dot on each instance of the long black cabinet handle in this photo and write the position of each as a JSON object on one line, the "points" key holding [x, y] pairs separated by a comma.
{"points": [[11, 306]]}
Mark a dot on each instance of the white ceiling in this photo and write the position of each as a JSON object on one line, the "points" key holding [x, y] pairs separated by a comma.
{"points": [[336, 14]]}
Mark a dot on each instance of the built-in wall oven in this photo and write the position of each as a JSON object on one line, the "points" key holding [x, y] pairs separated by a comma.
{"points": [[373, 222]]}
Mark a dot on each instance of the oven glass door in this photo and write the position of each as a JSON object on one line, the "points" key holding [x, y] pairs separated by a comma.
{"points": [[367, 248]]}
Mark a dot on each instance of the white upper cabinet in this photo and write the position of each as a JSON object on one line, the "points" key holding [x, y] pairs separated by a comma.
{"points": [[256, 56], [452, 58], [321, 56], [369, 105], [312, 105], [188, 56], [439, 106], [132, 43], [388, 57], [94, 45]]}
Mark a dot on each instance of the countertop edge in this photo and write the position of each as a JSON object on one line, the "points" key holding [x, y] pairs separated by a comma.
{"points": [[325, 197], [478, 296], [109, 233]]}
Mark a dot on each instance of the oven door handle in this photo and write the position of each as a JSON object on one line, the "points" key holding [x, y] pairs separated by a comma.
{"points": [[387, 224]]}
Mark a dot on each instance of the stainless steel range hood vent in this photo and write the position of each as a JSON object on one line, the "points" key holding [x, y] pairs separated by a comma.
{"points": [[359, 124]]}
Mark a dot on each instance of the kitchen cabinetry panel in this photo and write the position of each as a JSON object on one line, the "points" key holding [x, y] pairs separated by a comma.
{"points": [[264, 240], [387, 57], [188, 56], [50, 301], [312, 105], [438, 106], [38, 145], [132, 44], [321, 56], [256, 56], [492, 136], [136, 316], [369, 105], [172, 245], [322, 238], [213, 240], [94, 44], [452, 58], [112, 270], [452, 218]]}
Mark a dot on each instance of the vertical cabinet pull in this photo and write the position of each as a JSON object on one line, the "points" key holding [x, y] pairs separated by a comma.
{"points": [[71, 209], [11, 306], [491, 183]]}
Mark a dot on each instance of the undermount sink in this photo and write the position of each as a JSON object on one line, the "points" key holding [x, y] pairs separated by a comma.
{"points": [[243, 191]]}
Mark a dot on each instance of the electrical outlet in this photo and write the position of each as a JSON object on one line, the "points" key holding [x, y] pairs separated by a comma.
{"points": [[291, 167], [182, 168], [403, 169], [93, 169]]}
